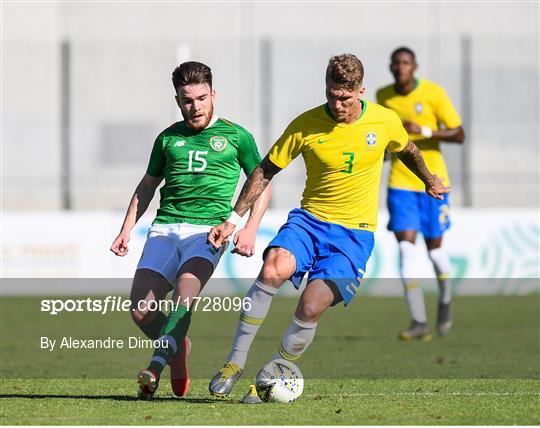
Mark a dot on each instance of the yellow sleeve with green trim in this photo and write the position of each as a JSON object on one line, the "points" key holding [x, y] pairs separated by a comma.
{"points": [[288, 146]]}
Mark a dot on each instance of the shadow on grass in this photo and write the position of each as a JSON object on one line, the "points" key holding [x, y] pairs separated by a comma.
{"points": [[119, 398]]}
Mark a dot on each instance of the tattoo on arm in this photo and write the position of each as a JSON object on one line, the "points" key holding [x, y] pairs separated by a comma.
{"points": [[255, 185], [412, 158]]}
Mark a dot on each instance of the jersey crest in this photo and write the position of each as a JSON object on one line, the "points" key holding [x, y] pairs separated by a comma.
{"points": [[218, 143], [371, 139]]}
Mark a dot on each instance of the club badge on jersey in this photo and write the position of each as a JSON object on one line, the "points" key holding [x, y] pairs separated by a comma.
{"points": [[371, 139], [218, 143]]}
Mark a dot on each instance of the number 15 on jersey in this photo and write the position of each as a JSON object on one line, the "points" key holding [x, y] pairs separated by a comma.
{"points": [[198, 157]]}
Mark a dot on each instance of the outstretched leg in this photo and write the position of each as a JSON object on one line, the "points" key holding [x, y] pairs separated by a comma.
{"points": [[318, 296], [279, 265]]}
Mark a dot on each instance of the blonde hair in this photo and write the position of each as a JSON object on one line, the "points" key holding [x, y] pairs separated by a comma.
{"points": [[345, 70]]}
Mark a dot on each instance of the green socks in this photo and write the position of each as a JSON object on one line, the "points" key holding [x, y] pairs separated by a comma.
{"points": [[153, 328], [171, 337]]}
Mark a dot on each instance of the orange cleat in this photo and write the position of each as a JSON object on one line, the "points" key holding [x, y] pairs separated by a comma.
{"points": [[180, 370]]}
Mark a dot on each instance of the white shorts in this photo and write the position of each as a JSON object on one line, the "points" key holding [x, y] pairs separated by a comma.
{"points": [[169, 246]]}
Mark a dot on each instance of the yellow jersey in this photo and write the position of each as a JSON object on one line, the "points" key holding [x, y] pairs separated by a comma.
{"points": [[427, 105], [343, 161]]}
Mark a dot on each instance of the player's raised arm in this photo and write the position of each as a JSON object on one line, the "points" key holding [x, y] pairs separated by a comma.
{"points": [[252, 190], [140, 200], [412, 158]]}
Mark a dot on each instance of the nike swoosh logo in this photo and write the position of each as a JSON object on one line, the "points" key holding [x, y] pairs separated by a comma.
{"points": [[322, 142]]}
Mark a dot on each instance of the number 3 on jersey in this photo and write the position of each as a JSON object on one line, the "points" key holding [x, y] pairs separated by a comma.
{"points": [[198, 157], [349, 162]]}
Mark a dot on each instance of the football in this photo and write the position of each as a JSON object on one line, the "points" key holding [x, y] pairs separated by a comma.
{"points": [[279, 381]]}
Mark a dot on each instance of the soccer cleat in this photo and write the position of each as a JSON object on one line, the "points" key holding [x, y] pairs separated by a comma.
{"points": [[180, 371], [417, 330], [223, 382], [444, 319], [251, 397], [148, 383]]}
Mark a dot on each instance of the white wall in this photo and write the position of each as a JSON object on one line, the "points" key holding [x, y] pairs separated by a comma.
{"points": [[123, 54]]}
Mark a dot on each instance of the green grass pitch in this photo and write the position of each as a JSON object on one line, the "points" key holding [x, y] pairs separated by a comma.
{"points": [[356, 371]]}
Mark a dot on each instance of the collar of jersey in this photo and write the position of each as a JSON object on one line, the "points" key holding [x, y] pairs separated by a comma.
{"points": [[212, 121], [364, 108], [416, 85], [210, 124]]}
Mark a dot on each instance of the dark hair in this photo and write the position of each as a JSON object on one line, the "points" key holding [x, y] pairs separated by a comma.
{"points": [[400, 50], [191, 73], [345, 70]]}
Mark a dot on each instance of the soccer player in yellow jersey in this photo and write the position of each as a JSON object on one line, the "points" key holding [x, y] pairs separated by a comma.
{"points": [[429, 117], [331, 236]]}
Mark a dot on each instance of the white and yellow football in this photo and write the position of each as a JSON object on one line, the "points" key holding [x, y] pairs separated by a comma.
{"points": [[279, 381]]}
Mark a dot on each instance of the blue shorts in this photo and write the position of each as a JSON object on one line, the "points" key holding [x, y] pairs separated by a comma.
{"points": [[325, 250], [418, 211]]}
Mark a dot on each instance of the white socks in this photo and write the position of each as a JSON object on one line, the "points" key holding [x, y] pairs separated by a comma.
{"points": [[296, 339], [413, 291], [442, 266], [250, 321]]}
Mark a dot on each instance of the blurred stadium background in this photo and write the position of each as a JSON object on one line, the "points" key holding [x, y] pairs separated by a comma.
{"points": [[86, 88]]}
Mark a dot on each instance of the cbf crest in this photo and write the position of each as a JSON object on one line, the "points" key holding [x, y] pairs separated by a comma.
{"points": [[371, 139], [218, 143]]}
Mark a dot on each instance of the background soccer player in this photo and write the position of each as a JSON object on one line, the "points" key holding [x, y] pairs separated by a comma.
{"points": [[343, 143], [422, 106], [200, 159]]}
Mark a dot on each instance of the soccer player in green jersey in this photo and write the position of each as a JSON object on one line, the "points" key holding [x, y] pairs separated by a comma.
{"points": [[200, 160]]}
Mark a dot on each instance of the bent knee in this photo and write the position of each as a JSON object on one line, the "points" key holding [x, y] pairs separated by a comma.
{"points": [[279, 265], [309, 311]]}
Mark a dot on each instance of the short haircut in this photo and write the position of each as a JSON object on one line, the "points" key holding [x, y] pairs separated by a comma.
{"points": [[191, 73], [400, 50], [345, 70]]}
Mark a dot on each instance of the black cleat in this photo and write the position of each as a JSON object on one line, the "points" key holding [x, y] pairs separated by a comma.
{"points": [[444, 319], [417, 330]]}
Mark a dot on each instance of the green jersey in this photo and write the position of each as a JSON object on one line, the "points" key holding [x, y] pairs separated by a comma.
{"points": [[201, 170]]}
